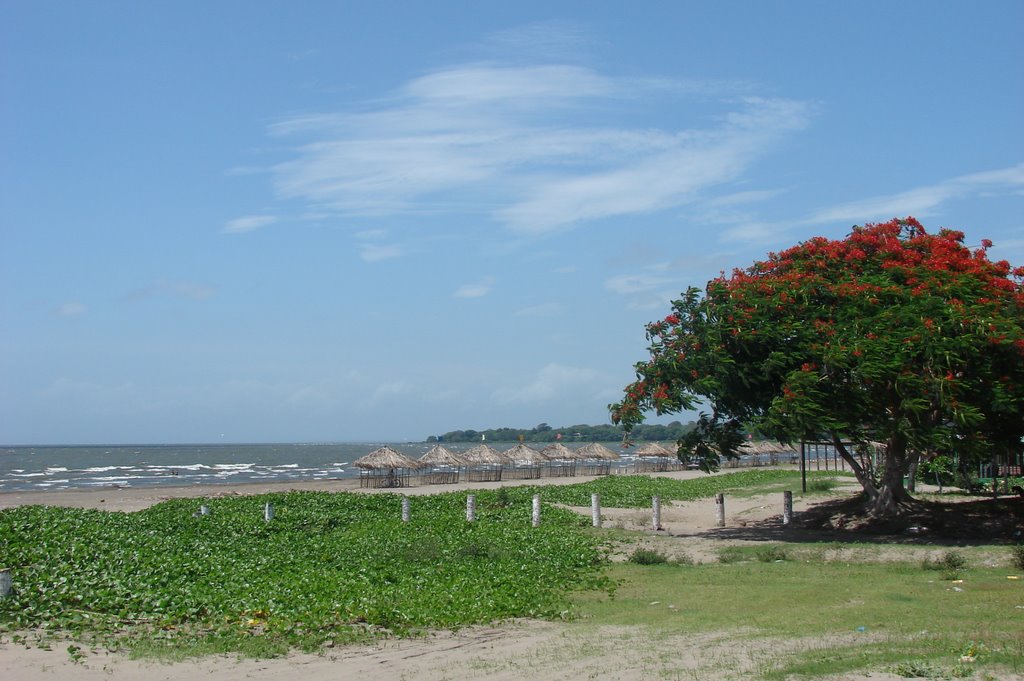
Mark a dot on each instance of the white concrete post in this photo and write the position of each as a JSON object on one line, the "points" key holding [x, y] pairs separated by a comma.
{"points": [[471, 508], [405, 509], [720, 510], [595, 509], [268, 512], [787, 507], [204, 510], [656, 513], [5, 583], [536, 510]]}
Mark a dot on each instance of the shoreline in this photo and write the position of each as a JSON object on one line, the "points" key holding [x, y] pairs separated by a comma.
{"points": [[129, 499]]}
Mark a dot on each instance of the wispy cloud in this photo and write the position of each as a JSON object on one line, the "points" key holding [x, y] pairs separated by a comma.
{"points": [[475, 290], [378, 252], [71, 309], [648, 290], [542, 310], [530, 147], [924, 201], [190, 290], [371, 248], [550, 383], [248, 223]]}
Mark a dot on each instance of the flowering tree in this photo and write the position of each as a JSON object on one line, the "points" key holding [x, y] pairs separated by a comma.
{"points": [[891, 336]]}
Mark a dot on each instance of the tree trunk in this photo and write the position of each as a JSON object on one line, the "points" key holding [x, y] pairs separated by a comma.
{"points": [[884, 491]]}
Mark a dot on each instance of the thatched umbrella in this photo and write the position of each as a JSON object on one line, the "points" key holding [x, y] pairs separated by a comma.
{"points": [[655, 450], [483, 455], [597, 451], [522, 454], [385, 458], [439, 456], [557, 451]]}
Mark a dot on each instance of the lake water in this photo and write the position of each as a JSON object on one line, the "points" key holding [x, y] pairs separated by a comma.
{"points": [[55, 468]]}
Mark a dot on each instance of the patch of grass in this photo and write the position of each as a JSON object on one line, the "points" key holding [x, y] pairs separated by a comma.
{"points": [[635, 491], [872, 614], [818, 485]]}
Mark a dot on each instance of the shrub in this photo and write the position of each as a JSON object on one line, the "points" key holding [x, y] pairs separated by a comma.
{"points": [[771, 554], [647, 557], [1018, 556], [951, 564]]}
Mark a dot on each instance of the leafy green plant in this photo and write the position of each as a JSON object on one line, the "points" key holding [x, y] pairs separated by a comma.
{"points": [[1017, 553], [772, 554], [329, 566], [647, 557], [951, 564]]}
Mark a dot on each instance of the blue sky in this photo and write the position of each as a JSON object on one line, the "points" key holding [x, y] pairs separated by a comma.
{"points": [[340, 221]]}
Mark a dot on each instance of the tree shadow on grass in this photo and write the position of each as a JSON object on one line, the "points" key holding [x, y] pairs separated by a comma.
{"points": [[979, 522]]}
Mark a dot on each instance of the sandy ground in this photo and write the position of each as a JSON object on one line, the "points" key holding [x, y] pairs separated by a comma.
{"points": [[541, 651]]}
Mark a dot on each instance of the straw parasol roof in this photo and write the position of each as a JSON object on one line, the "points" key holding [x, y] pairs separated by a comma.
{"points": [[654, 449], [766, 447], [385, 457], [525, 455], [598, 451], [483, 454], [439, 456], [556, 450]]}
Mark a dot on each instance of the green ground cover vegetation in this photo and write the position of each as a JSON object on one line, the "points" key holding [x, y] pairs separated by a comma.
{"points": [[343, 567]]}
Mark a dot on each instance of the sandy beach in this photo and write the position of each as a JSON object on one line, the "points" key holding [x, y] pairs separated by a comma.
{"points": [[542, 651]]}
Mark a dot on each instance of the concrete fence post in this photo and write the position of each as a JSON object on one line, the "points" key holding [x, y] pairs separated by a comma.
{"points": [[470, 508], [405, 509], [536, 510], [595, 509], [5, 583], [656, 513], [720, 510], [268, 512], [787, 507]]}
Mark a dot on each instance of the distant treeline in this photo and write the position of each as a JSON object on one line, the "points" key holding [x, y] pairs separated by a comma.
{"points": [[578, 433]]}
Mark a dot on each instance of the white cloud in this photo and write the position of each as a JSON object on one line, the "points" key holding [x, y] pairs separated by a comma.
{"points": [[924, 201], [180, 289], [638, 283], [529, 146], [378, 252], [476, 290], [71, 309], [542, 310], [551, 383], [388, 391], [248, 223]]}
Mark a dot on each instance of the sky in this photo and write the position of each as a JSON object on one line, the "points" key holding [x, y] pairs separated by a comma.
{"points": [[255, 221]]}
